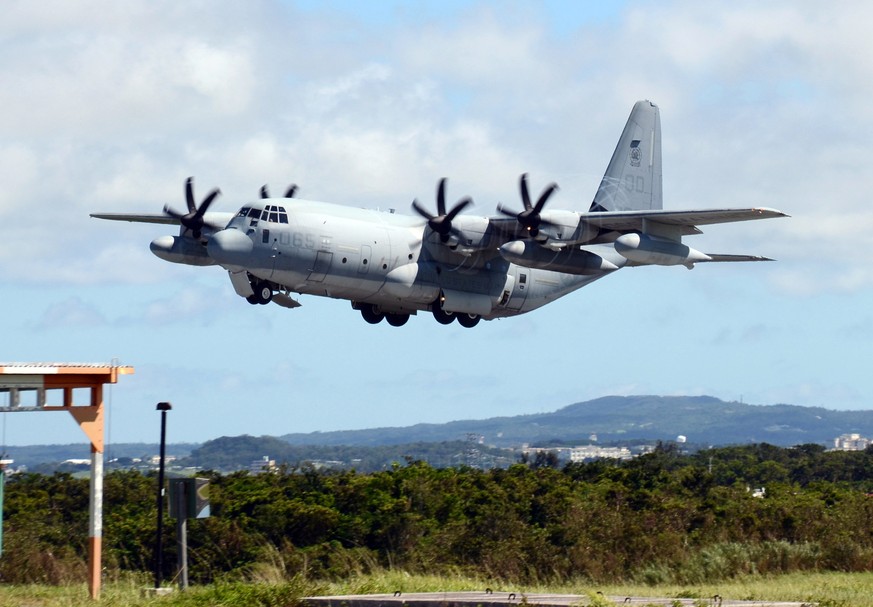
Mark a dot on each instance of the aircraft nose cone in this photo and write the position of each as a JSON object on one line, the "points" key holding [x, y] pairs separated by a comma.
{"points": [[229, 247]]}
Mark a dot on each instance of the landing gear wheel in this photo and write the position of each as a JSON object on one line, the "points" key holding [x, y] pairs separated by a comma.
{"points": [[469, 320], [397, 320], [442, 317], [372, 314], [263, 293]]}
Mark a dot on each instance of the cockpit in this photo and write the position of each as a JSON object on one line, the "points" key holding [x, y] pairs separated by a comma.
{"points": [[270, 212]]}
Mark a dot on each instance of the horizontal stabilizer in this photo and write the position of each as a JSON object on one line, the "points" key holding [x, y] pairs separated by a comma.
{"points": [[717, 257]]}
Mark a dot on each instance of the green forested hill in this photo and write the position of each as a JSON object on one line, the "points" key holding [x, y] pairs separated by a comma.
{"points": [[702, 419]]}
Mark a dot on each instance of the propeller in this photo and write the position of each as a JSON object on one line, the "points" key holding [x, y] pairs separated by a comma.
{"points": [[289, 193], [530, 217], [442, 222], [193, 219]]}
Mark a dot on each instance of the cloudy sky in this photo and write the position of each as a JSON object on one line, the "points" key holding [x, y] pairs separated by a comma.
{"points": [[110, 106]]}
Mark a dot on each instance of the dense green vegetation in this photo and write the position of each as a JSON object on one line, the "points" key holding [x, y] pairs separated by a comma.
{"points": [[660, 518]]}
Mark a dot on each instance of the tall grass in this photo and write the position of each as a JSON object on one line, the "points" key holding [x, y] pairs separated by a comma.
{"points": [[826, 589]]}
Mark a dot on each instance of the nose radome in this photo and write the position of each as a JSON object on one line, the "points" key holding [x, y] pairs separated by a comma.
{"points": [[229, 247]]}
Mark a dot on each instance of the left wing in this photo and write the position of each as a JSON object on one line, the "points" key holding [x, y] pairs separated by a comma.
{"points": [[686, 221]]}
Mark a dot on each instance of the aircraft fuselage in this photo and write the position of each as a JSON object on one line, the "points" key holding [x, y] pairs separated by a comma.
{"points": [[380, 259]]}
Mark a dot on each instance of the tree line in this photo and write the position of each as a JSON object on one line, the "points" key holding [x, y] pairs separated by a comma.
{"points": [[662, 517]]}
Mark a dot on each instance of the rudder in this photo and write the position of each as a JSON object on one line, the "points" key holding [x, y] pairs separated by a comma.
{"points": [[632, 181]]}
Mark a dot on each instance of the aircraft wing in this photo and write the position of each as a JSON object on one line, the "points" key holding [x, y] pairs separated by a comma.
{"points": [[211, 218], [629, 221], [138, 218]]}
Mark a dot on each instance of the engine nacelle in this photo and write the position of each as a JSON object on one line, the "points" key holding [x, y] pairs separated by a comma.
{"points": [[178, 249], [650, 250], [567, 227], [570, 260], [470, 234]]}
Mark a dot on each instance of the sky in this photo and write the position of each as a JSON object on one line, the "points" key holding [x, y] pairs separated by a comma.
{"points": [[110, 107]]}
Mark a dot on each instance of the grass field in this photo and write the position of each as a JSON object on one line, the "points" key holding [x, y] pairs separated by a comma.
{"points": [[826, 589]]}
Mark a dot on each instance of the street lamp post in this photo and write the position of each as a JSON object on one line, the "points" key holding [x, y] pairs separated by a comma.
{"points": [[159, 547]]}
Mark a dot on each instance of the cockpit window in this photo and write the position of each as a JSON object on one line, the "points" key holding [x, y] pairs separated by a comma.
{"points": [[243, 212], [272, 213]]}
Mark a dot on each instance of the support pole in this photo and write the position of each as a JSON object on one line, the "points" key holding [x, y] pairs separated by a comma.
{"points": [[182, 533], [95, 523], [159, 546]]}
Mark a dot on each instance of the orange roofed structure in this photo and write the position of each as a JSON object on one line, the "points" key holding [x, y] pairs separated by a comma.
{"points": [[50, 387]]}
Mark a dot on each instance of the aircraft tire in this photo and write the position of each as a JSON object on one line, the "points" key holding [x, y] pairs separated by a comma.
{"points": [[442, 317], [264, 293], [469, 320], [371, 314], [397, 320]]}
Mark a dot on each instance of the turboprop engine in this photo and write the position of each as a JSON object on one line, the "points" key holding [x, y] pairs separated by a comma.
{"points": [[179, 249], [645, 249], [568, 260]]}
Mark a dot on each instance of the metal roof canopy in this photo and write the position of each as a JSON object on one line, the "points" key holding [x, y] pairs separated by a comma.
{"points": [[44, 378]]}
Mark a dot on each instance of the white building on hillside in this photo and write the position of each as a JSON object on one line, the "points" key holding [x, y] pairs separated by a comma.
{"points": [[851, 442]]}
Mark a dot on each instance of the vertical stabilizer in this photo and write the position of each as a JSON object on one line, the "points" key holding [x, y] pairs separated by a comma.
{"points": [[632, 181]]}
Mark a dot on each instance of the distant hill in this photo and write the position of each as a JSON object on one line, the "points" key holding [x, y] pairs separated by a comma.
{"points": [[702, 419], [628, 420]]}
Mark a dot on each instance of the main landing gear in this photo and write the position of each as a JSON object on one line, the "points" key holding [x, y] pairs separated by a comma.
{"points": [[373, 314], [445, 317], [263, 293]]}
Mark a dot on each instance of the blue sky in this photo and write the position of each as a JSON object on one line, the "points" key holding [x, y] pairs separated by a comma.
{"points": [[111, 108]]}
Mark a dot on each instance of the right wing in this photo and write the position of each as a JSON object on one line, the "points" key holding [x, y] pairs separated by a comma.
{"points": [[138, 218]]}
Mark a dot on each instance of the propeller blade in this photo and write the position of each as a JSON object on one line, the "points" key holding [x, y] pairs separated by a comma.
{"points": [[189, 194], [550, 189], [525, 196], [441, 197], [207, 202], [264, 193], [292, 189], [193, 219], [463, 203], [421, 210], [530, 217], [441, 223]]}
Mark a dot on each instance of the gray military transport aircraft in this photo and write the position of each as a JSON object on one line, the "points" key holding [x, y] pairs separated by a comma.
{"points": [[463, 267]]}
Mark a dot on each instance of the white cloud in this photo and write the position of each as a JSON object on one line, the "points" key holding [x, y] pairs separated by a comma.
{"points": [[111, 108]]}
